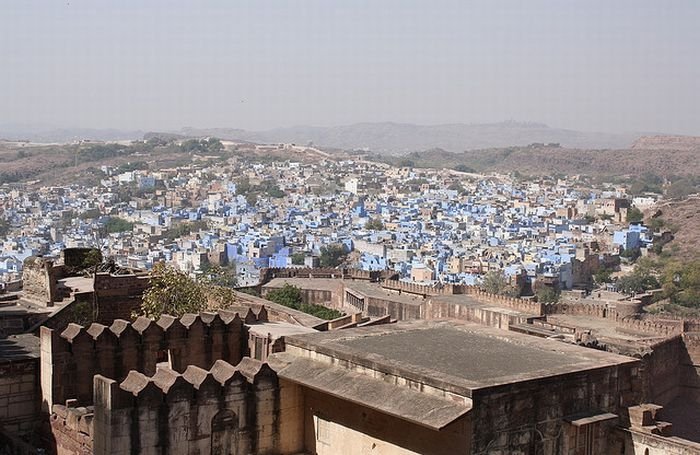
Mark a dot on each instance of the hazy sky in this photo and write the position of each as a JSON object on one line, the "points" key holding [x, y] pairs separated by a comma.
{"points": [[599, 65]]}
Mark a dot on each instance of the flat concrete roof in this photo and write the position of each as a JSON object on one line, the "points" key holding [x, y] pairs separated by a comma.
{"points": [[278, 329], [456, 355], [79, 283]]}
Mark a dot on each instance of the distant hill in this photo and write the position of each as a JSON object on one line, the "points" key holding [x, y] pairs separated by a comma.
{"points": [[686, 143], [398, 138], [35, 133], [539, 160]]}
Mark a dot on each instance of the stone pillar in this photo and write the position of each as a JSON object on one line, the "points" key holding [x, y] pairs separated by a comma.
{"points": [[54, 359]]}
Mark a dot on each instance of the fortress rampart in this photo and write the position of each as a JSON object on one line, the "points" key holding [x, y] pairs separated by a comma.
{"points": [[223, 409], [72, 357]]}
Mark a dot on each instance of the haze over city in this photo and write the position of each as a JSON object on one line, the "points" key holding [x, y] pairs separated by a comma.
{"points": [[594, 66], [315, 227]]}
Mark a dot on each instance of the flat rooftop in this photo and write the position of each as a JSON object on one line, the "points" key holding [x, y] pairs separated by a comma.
{"points": [[456, 354], [278, 329]]}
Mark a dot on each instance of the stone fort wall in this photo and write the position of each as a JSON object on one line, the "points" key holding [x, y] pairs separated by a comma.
{"points": [[268, 274], [118, 296], [225, 409], [72, 357], [39, 277]]}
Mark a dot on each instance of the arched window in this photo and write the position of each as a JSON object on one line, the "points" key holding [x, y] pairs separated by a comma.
{"points": [[224, 427]]}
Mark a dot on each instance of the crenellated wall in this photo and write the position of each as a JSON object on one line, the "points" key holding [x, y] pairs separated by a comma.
{"points": [[514, 303], [422, 289], [268, 274], [224, 409], [599, 310], [71, 358], [651, 324]]}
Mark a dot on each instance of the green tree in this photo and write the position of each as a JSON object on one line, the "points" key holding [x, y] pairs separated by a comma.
{"points": [[291, 297], [374, 224], [288, 295], [640, 280], [172, 292], [681, 283], [603, 275], [681, 189], [496, 282], [656, 224], [243, 186], [547, 294], [93, 258], [251, 198], [634, 215], [464, 168], [217, 275], [332, 255], [4, 227], [115, 224], [90, 214], [298, 258]]}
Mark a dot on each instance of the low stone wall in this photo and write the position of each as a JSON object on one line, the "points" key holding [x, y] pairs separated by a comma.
{"points": [[118, 296], [19, 396], [517, 304], [421, 289], [484, 316], [630, 442]]}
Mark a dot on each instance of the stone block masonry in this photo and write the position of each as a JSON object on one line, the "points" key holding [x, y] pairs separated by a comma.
{"points": [[18, 396], [70, 359], [226, 409]]}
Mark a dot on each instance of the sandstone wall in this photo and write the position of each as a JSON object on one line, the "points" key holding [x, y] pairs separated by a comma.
{"points": [[19, 396], [71, 358], [39, 281], [661, 375], [118, 296], [528, 417], [225, 409], [690, 367]]}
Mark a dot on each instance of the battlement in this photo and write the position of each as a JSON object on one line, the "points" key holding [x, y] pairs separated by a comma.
{"points": [[515, 303], [167, 381], [600, 310], [72, 357], [422, 289], [651, 324], [223, 409], [267, 274]]}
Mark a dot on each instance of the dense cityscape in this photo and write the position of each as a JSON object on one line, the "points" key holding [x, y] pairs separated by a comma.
{"points": [[349, 228], [428, 225]]}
